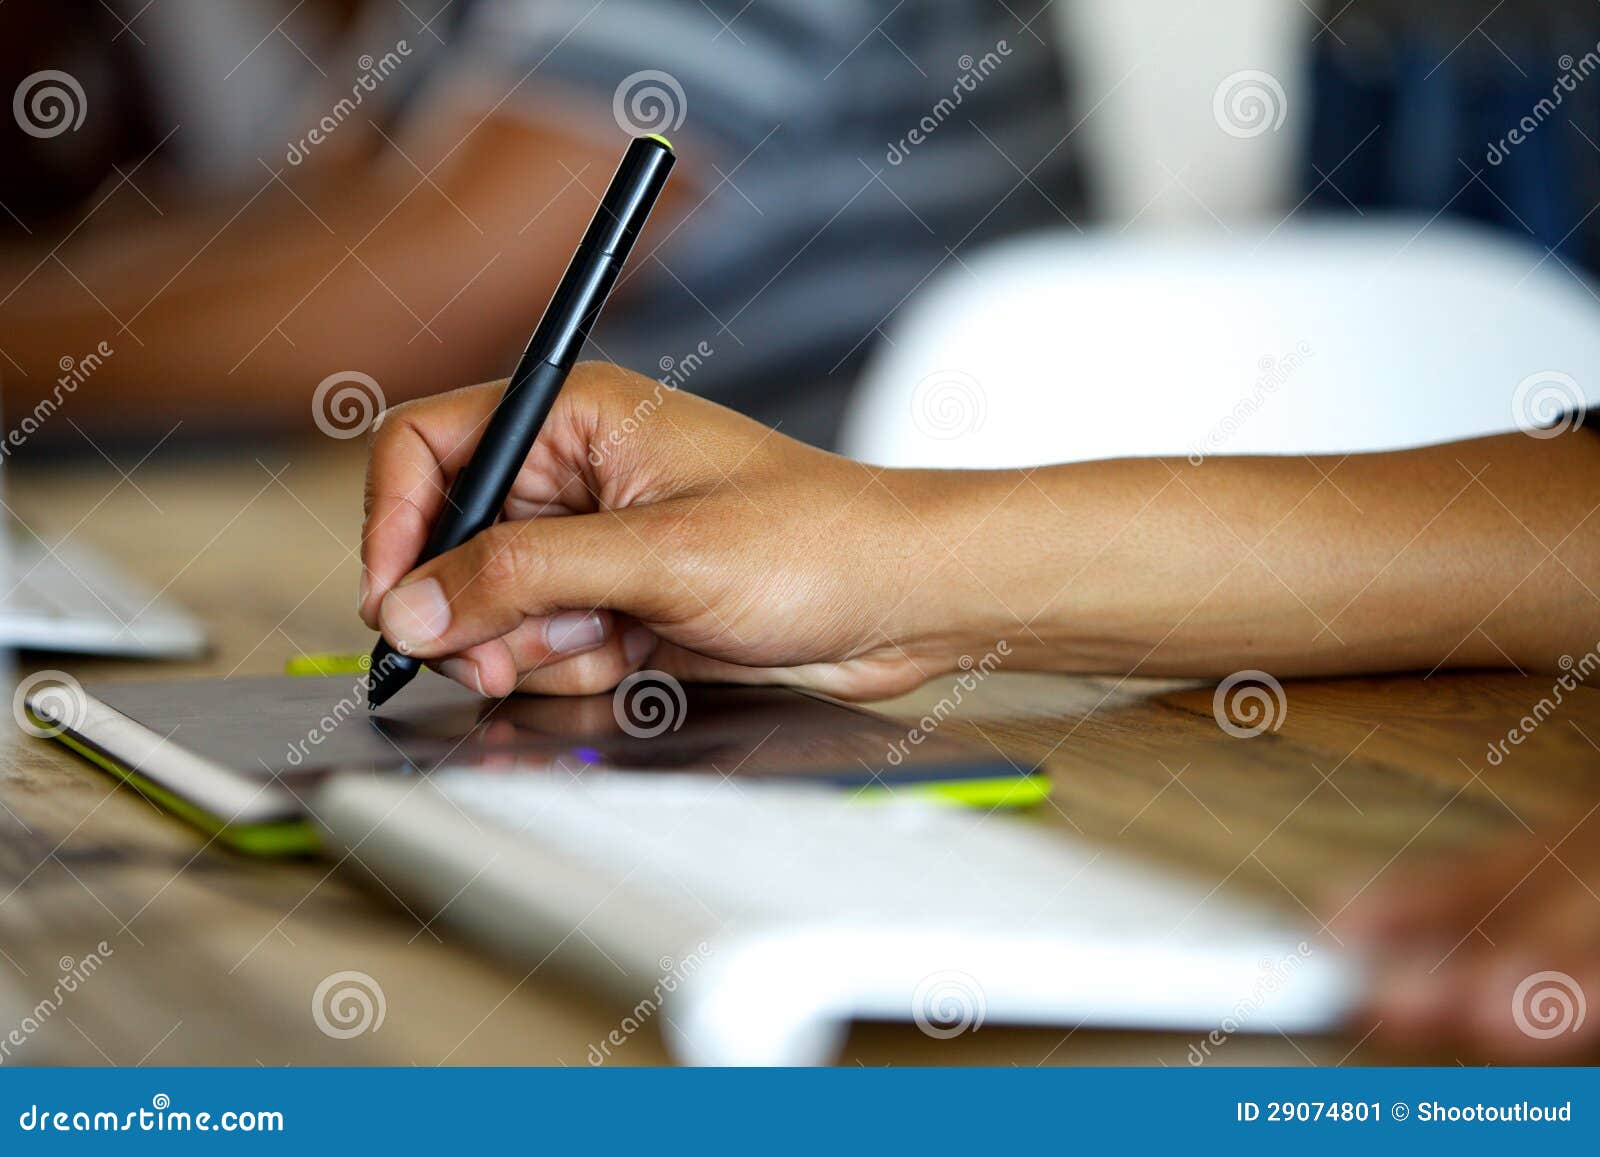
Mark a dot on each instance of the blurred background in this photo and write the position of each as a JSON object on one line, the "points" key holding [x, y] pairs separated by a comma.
{"points": [[956, 232]]}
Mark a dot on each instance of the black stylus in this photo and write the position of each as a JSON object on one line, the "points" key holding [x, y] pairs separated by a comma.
{"points": [[479, 491]]}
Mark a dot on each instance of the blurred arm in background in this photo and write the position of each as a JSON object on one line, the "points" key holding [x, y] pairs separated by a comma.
{"points": [[835, 158], [215, 228], [240, 308]]}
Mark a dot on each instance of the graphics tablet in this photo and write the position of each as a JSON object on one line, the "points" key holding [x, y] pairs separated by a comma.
{"points": [[238, 757]]}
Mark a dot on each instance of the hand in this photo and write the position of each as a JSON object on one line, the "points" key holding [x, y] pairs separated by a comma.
{"points": [[646, 526], [1494, 958]]}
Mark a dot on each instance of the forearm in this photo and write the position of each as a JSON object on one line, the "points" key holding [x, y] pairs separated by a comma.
{"points": [[418, 286], [1473, 554], [262, 336]]}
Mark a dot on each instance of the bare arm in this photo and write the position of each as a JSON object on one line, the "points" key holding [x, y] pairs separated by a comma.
{"points": [[746, 556], [231, 315], [1480, 553]]}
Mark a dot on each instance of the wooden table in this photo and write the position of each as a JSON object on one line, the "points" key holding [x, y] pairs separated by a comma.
{"points": [[214, 957]]}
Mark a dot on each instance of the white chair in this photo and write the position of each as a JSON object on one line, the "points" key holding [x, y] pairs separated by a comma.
{"points": [[1339, 336]]}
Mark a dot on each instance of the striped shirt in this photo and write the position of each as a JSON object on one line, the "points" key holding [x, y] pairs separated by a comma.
{"points": [[855, 150]]}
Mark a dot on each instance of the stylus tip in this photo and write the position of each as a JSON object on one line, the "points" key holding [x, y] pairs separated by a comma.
{"points": [[377, 693], [387, 672]]}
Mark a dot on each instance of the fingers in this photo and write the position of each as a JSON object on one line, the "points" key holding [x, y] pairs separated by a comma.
{"points": [[639, 646], [1471, 958], [496, 668], [1430, 905], [594, 671], [538, 671], [416, 448], [549, 567], [524, 659], [1512, 1001], [587, 457]]}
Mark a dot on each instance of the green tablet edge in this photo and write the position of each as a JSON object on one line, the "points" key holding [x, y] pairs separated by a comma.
{"points": [[278, 839], [1012, 794]]}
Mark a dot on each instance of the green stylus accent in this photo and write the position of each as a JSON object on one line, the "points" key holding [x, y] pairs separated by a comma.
{"points": [[328, 663], [282, 838], [662, 139]]}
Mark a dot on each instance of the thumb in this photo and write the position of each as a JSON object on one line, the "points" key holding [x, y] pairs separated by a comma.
{"points": [[514, 571]]}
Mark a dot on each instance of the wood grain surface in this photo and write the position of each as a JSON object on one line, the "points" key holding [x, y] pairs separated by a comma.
{"points": [[214, 958]]}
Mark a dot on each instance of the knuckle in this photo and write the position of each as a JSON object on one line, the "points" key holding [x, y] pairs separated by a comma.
{"points": [[390, 421], [382, 439], [609, 385], [505, 560]]}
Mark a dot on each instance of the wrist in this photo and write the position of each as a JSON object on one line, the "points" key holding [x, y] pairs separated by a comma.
{"points": [[1040, 561], [960, 592]]}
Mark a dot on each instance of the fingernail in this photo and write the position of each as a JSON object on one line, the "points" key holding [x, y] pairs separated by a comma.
{"points": [[574, 631], [416, 613], [638, 643], [463, 671], [364, 590]]}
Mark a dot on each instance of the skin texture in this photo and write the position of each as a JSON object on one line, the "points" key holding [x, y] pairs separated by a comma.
{"points": [[650, 527]]}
